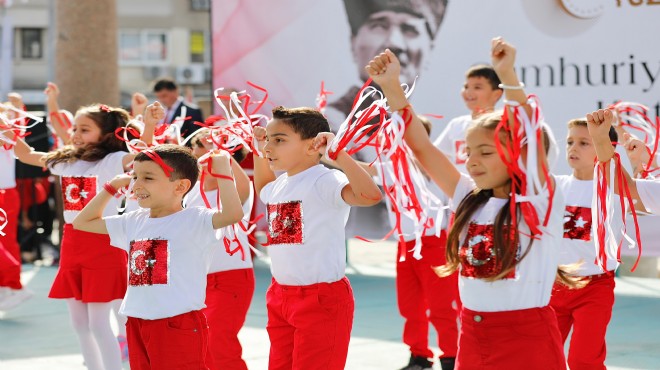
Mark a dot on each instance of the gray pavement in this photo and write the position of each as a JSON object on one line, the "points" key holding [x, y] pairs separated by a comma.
{"points": [[37, 335]]}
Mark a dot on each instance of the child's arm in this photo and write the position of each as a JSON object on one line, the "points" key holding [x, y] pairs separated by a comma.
{"points": [[24, 152], [90, 219], [361, 189], [52, 93], [242, 181], [638, 153], [503, 57], [599, 123], [232, 210], [385, 69], [138, 104], [263, 175], [152, 115]]}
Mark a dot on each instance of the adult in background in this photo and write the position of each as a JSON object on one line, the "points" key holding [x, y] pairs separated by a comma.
{"points": [[167, 93]]}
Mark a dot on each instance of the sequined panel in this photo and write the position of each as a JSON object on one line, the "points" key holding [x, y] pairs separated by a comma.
{"points": [[77, 192], [577, 223], [285, 223], [477, 255], [149, 262]]}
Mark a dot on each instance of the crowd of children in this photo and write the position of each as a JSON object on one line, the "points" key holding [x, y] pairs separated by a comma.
{"points": [[526, 257]]}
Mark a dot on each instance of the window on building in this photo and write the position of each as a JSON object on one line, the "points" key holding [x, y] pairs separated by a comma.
{"points": [[197, 46], [200, 5], [31, 43], [143, 47]]}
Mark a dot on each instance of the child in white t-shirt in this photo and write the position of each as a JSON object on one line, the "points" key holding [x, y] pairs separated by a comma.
{"points": [[480, 93], [587, 310], [505, 276], [310, 301], [169, 253], [90, 279], [230, 281]]}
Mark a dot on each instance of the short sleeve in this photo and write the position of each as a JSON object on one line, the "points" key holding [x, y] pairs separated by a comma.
{"points": [[116, 226], [444, 141], [57, 169], [329, 187], [649, 193], [203, 226], [464, 186], [266, 192]]}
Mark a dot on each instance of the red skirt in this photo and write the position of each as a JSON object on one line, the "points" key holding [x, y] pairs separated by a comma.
{"points": [[91, 270]]}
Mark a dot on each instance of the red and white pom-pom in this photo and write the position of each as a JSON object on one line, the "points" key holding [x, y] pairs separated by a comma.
{"points": [[14, 120], [238, 237], [241, 114], [322, 99], [634, 117], [602, 210], [405, 185], [526, 185], [135, 128], [359, 129]]}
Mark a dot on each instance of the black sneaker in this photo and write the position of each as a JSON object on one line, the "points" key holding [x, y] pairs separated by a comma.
{"points": [[447, 363], [418, 363]]}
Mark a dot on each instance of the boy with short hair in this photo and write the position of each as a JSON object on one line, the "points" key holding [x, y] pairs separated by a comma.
{"points": [[588, 310], [480, 93], [310, 301], [169, 250]]}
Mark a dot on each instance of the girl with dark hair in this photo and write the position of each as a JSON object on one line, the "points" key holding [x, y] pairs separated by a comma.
{"points": [[507, 226]]}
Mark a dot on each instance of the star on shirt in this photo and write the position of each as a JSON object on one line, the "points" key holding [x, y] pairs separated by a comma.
{"points": [[84, 194], [580, 222], [150, 263]]}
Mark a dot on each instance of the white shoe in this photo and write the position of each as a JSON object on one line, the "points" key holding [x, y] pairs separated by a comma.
{"points": [[14, 298]]}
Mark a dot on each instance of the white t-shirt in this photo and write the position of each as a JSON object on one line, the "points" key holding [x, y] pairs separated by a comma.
{"points": [[531, 283], [8, 168], [452, 141], [306, 220], [407, 224], [82, 180], [649, 193], [168, 259], [578, 243], [240, 257]]}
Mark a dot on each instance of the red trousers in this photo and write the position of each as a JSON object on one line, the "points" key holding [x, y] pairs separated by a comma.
{"points": [[309, 326], [513, 340], [423, 297], [176, 343], [588, 311], [10, 274], [228, 297]]}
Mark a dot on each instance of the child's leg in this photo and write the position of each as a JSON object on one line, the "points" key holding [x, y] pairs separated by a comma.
{"points": [[99, 324], [79, 314], [412, 305], [563, 303], [592, 315], [441, 294], [280, 332], [228, 297], [323, 317], [121, 319]]}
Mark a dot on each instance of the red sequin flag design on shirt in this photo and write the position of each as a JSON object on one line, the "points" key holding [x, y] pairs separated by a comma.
{"points": [[460, 153], [149, 262], [477, 255], [285, 223], [77, 192], [577, 223]]}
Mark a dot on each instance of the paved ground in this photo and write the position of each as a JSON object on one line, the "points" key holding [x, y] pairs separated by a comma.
{"points": [[38, 335]]}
